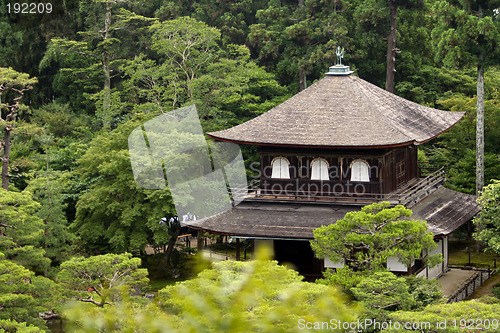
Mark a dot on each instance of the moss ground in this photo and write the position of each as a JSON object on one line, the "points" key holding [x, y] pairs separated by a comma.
{"points": [[459, 255]]}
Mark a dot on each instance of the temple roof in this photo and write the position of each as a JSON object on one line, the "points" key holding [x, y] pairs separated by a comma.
{"points": [[342, 111], [444, 210]]}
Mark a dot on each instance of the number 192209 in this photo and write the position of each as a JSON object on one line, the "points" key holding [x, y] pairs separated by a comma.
{"points": [[29, 8]]}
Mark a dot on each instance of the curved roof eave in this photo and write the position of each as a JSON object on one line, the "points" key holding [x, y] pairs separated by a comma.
{"points": [[446, 130], [311, 146]]}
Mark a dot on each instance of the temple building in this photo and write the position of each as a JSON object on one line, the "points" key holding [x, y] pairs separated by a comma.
{"points": [[334, 147]]}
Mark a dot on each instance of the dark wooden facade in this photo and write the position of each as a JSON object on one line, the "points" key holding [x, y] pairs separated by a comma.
{"points": [[389, 169], [400, 166]]}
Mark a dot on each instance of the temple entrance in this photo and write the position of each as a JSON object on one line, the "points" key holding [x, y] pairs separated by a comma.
{"points": [[300, 255]]}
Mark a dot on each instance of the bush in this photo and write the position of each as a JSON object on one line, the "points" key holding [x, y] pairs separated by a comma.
{"points": [[496, 291]]}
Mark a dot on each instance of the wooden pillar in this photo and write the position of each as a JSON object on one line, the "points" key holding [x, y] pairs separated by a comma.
{"points": [[341, 170], [380, 162], [199, 243], [238, 249], [442, 253], [262, 168]]}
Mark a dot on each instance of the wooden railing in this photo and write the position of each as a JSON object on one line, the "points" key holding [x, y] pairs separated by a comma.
{"points": [[468, 287], [407, 197], [423, 188]]}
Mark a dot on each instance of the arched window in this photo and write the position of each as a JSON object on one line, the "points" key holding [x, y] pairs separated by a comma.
{"points": [[319, 169], [280, 168], [360, 171]]}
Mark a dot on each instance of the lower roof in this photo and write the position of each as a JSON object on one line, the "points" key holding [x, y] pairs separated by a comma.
{"points": [[444, 210]]}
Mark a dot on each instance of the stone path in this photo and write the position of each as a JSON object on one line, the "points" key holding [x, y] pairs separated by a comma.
{"points": [[453, 279], [214, 256]]}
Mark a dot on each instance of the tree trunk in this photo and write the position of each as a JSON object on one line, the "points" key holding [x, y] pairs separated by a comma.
{"points": [[480, 129], [480, 119], [174, 231], [302, 79], [6, 157], [106, 105], [49, 202], [391, 50], [9, 120]]}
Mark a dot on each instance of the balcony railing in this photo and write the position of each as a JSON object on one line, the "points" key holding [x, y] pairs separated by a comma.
{"points": [[422, 188], [356, 193]]}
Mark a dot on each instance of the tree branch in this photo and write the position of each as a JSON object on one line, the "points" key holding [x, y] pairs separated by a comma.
{"points": [[7, 225], [2, 232], [91, 300], [386, 306]]}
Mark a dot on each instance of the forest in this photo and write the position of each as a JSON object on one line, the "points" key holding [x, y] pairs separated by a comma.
{"points": [[76, 77]]}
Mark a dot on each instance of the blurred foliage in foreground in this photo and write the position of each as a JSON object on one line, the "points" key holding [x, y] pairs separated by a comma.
{"points": [[468, 316], [232, 296]]}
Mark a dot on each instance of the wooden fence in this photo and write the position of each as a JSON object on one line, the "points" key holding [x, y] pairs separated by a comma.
{"points": [[471, 284]]}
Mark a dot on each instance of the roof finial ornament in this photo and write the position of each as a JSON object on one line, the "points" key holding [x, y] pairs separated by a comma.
{"points": [[339, 69], [340, 55]]}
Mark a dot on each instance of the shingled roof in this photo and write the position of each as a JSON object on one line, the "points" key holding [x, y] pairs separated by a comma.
{"points": [[342, 111], [444, 210]]}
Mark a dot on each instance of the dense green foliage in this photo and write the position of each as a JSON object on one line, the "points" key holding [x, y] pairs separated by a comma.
{"points": [[22, 293], [423, 292], [103, 275], [22, 230], [382, 293], [74, 84], [114, 214], [488, 220], [496, 291], [455, 317]]}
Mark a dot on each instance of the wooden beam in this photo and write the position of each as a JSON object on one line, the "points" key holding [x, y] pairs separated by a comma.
{"points": [[199, 243], [238, 249]]}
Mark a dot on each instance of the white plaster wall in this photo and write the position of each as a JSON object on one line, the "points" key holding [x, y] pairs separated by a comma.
{"points": [[394, 265], [437, 270], [422, 274], [333, 264]]}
